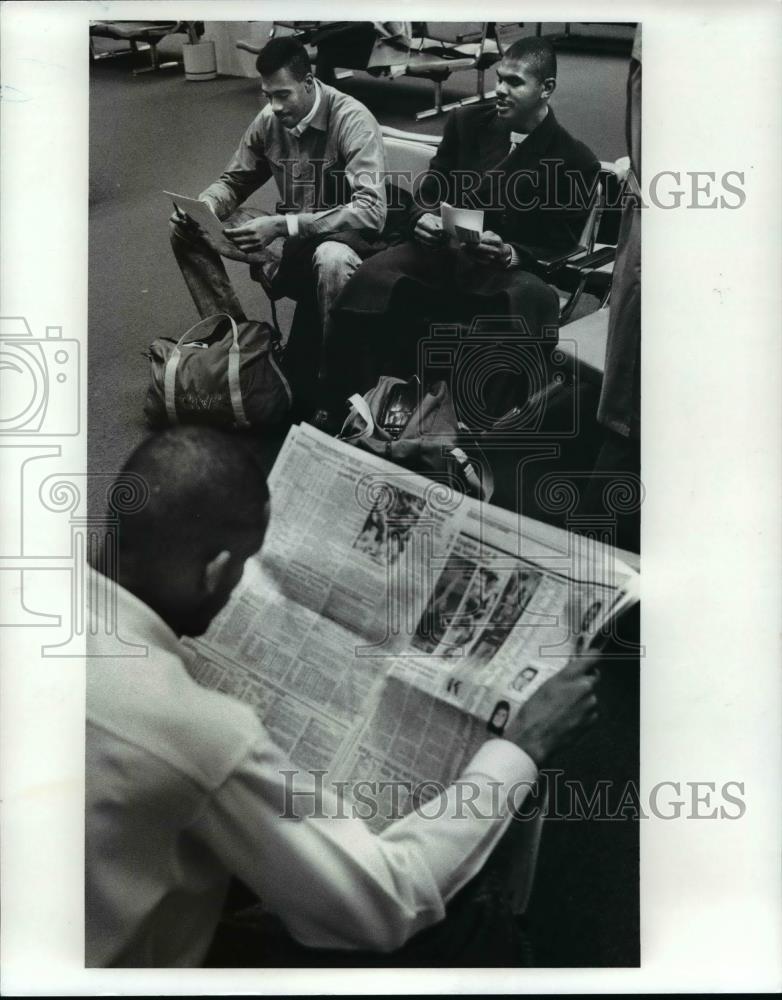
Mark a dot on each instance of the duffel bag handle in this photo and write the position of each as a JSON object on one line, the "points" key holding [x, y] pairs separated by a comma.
{"points": [[361, 406], [483, 485], [234, 384]]}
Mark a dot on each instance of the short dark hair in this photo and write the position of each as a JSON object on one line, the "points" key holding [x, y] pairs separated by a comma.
{"points": [[538, 53], [194, 489], [284, 53]]}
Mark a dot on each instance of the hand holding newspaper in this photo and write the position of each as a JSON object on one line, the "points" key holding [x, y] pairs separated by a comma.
{"points": [[391, 624]]}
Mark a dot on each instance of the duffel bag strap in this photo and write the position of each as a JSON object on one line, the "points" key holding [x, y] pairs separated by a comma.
{"points": [[234, 384], [361, 406], [482, 486]]}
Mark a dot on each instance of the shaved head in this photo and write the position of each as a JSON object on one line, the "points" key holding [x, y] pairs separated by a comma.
{"points": [[202, 511], [204, 487]]}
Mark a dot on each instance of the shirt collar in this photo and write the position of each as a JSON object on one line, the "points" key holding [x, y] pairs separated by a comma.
{"points": [[307, 120], [133, 616]]}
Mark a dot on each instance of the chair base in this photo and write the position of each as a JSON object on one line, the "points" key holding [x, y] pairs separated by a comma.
{"points": [[438, 108], [154, 69], [155, 63]]}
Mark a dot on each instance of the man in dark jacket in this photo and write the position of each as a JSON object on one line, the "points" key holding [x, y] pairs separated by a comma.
{"points": [[534, 183]]}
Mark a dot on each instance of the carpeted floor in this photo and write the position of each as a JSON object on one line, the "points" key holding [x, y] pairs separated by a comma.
{"points": [[158, 132]]}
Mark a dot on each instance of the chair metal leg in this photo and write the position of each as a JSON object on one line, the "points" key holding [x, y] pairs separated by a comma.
{"points": [[155, 63], [482, 95], [111, 53], [449, 107], [478, 95], [438, 103], [566, 310]]}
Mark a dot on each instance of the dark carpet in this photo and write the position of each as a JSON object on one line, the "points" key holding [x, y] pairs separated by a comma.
{"points": [[158, 132]]}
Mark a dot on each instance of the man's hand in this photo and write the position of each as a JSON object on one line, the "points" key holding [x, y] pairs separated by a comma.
{"points": [[429, 230], [257, 234], [183, 220], [491, 250], [559, 711]]}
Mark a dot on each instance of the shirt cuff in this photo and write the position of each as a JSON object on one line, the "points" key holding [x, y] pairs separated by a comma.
{"points": [[292, 222], [515, 258], [503, 761]]}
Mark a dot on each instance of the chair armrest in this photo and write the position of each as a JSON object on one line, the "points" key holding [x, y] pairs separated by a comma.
{"points": [[595, 260], [547, 264], [470, 36], [396, 133]]}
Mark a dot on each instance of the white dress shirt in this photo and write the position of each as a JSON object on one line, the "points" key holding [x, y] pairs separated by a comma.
{"points": [[291, 220], [185, 788]]}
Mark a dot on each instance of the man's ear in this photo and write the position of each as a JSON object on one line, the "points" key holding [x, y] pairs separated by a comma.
{"points": [[549, 86], [215, 571]]}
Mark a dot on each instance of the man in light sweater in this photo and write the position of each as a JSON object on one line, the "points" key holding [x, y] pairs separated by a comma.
{"points": [[184, 786]]}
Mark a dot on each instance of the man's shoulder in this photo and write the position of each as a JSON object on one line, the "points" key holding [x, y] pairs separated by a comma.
{"points": [[261, 124], [347, 108], [576, 152], [473, 118], [153, 705]]}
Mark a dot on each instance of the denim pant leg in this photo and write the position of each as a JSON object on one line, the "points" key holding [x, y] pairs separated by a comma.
{"points": [[333, 264], [202, 266]]}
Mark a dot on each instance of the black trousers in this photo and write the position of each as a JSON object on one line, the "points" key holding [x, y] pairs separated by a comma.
{"points": [[345, 44]]}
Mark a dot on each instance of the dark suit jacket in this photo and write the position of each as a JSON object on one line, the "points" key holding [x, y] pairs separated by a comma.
{"points": [[538, 198]]}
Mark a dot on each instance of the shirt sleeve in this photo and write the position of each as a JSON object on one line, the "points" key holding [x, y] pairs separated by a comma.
{"points": [[361, 146], [515, 258], [437, 184], [247, 170], [333, 882]]}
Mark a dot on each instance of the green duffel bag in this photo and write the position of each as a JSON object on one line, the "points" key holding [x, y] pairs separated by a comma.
{"points": [[220, 372]]}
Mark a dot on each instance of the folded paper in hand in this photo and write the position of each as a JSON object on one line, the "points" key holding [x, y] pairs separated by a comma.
{"points": [[201, 213], [464, 224]]}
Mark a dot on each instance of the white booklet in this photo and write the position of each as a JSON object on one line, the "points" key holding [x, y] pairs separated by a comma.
{"points": [[465, 225], [201, 213]]}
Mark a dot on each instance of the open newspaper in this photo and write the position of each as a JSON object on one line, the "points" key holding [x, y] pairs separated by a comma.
{"points": [[391, 624]]}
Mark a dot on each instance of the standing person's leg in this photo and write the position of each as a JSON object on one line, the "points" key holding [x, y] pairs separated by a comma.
{"points": [[202, 266], [619, 459]]}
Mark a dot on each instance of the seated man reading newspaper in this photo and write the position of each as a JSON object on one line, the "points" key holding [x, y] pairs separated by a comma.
{"points": [[186, 787]]}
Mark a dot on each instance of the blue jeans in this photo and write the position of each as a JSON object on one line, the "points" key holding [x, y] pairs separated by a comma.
{"points": [[202, 267]]}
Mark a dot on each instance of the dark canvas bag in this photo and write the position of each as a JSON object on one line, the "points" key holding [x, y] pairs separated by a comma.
{"points": [[219, 372], [400, 422]]}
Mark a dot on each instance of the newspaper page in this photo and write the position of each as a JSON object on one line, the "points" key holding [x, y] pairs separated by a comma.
{"points": [[391, 624]]}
